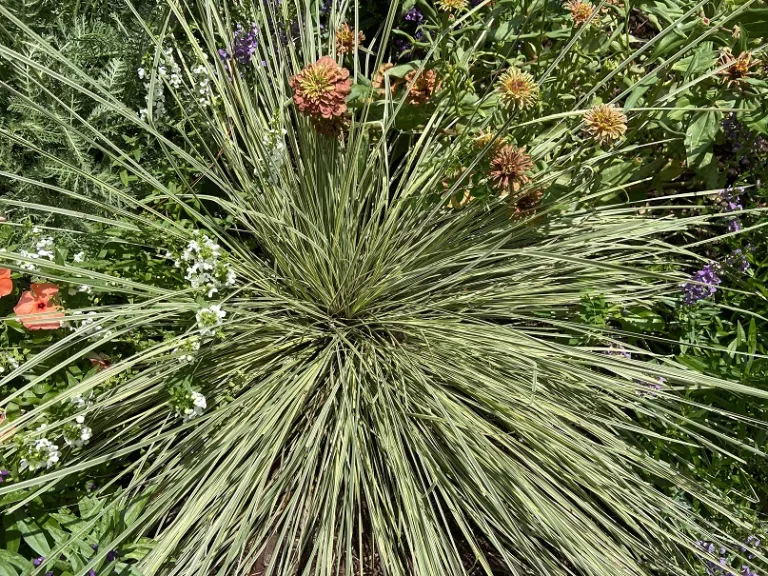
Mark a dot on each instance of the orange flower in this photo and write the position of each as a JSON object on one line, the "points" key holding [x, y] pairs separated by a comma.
{"points": [[508, 169], [37, 309], [6, 284], [345, 39], [423, 87], [739, 67], [320, 90], [581, 12], [379, 81]]}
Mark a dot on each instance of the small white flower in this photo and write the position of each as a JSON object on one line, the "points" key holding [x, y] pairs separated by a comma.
{"points": [[142, 73], [209, 319], [80, 402], [79, 257]]}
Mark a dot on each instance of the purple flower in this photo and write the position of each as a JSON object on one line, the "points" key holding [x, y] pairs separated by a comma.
{"points": [[734, 225], [112, 555], [49, 573], [706, 282], [737, 259], [243, 45], [37, 561], [3, 475], [752, 541], [95, 547], [747, 571], [91, 572], [414, 15], [650, 389], [620, 351]]}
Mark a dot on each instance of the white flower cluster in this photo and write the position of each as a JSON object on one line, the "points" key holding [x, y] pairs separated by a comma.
{"points": [[201, 80], [78, 434], [197, 405], [89, 326], [10, 361], [169, 71], [80, 402], [38, 453], [204, 267], [209, 319], [186, 352], [274, 143], [43, 250]]}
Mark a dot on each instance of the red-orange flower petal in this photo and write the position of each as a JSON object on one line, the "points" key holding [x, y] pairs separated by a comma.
{"points": [[6, 284], [36, 311]]}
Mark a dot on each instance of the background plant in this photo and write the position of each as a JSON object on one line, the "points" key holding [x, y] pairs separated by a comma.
{"points": [[327, 410]]}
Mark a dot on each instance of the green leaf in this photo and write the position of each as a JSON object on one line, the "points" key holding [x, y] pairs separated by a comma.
{"points": [[34, 536], [14, 559], [6, 569], [699, 139]]}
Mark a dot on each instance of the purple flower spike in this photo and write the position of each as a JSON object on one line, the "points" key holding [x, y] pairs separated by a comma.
{"points": [[244, 46], [37, 561], [414, 15], [707, 282], [738, 260]]}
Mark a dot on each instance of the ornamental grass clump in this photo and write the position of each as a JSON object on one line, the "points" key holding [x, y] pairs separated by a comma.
{"points": [[341, 374]]}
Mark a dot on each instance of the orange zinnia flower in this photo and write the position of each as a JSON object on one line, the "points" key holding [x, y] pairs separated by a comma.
{"points": [[6, 284], [37, 309], [320, 90]]}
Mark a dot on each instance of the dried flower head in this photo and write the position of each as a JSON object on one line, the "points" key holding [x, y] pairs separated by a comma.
{"points": [[518, 89], [484, 138], [527, 204], [320, 90], [423, 87], [332, 127], [452, 5], [460, 199], [581, 12], [462, 195], [738, 66], [508, 169], [605, 122], [345, 39], [379, 82]]}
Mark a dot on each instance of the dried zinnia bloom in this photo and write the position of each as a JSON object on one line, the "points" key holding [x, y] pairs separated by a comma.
{"points": [[517, 89], [320, 90], [37, 309], [581, 11], [345, 39], [462, 195], [484, 138], [461, 199], [605, 122], [527, 204], [452, 5], [379, 80], [508, 169], [738, 66], [423, 88]]}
